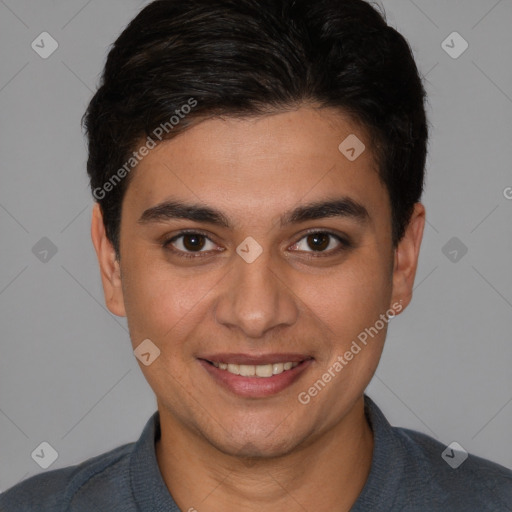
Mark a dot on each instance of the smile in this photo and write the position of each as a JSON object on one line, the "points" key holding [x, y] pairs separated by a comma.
{"points": [[251, 370], [255, 377]]}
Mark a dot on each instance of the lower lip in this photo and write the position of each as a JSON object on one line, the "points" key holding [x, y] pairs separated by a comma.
{"points": [[256, 387]]}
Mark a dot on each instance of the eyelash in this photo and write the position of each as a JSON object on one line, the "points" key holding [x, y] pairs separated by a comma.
{"points": [[344, 244]]}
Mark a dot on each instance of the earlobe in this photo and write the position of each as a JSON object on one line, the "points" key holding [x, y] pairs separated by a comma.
{"points": [[406, 257], [109, 266]]}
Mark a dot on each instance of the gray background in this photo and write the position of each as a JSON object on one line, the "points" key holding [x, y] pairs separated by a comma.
{"points": [[67, 372]]}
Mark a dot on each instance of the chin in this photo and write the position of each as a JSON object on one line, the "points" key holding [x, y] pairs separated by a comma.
{"points": [[247, 441], [258, 448]]}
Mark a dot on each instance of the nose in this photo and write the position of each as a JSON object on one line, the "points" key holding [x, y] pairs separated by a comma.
{"points": [[255, 298]]}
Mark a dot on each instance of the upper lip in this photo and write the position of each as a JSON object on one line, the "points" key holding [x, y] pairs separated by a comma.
{"points": [[251, 359]]}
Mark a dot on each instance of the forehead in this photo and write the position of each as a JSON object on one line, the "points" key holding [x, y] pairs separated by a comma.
{"points": [[276, 161]]}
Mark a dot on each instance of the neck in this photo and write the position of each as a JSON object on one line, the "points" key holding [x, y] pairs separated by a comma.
{"points": [[199, 476]]}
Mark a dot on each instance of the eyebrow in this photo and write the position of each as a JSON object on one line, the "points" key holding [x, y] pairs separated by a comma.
{"points": [[169, 210], [344, 207]]}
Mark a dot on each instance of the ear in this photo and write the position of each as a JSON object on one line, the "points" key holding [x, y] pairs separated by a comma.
{"points": [[109, 266], [406, 258]]}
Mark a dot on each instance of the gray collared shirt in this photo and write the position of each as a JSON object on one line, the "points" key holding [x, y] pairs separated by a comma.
{"points": [[408, 473]]}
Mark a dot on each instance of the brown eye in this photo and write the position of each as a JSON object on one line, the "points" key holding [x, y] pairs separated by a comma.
{"points": [[190, 244], [193, 242], [321, 242], [318, 241]]}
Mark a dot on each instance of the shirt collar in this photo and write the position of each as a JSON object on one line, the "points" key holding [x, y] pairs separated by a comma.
{"points": [[387, 468], [149, 490], [151, 493]]}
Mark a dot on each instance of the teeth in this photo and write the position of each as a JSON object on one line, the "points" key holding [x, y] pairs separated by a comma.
{"points": [[264, 370], [247, 370], [234, 368], [251, 370], [278, 368]]}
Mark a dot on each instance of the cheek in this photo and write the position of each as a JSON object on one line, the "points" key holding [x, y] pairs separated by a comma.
{"points": [[162, 305], [351, 300]]}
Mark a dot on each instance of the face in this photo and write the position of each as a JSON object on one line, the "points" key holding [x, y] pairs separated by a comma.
{"points": [[255, 246]]}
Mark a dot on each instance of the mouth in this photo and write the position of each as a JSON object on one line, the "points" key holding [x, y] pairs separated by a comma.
{"points": [[255, 376], [263, 371]]}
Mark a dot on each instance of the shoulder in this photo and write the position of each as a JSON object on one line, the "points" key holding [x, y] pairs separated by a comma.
{"points": [[414, 472], [456, 478], [74, 487]]}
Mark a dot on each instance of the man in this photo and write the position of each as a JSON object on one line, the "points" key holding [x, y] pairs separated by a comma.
{"points": [[258, 167]]}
